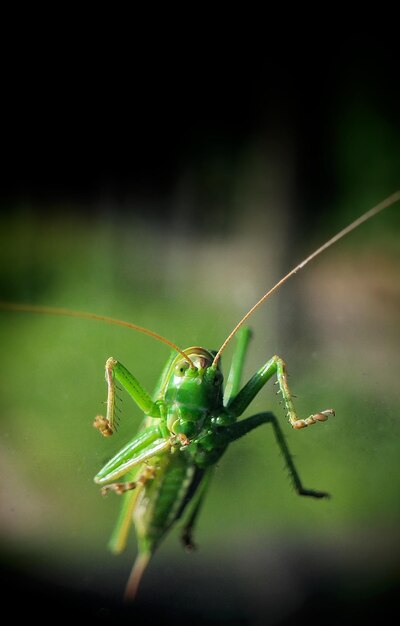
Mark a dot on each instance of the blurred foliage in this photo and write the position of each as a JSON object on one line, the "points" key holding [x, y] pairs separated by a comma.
{"points": [[52, 384]]}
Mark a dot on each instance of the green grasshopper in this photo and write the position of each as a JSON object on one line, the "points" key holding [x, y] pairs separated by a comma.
{"points": [[164, 471]]}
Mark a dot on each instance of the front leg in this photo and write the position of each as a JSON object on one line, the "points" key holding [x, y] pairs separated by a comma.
{"points": [[277, 366], [116, 371]]}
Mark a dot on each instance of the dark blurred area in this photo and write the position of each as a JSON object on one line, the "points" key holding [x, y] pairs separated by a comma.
{"points": [[77, 130], [332, 591]]}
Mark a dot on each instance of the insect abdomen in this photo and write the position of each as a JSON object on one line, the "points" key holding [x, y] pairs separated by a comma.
{"points": [[163, 499]]}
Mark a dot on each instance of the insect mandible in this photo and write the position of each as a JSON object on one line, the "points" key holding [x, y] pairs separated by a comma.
{"points": [[164, 471]]}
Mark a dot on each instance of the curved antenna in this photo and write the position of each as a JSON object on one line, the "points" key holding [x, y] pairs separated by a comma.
{"points": [[363, 218], [49, 310]]}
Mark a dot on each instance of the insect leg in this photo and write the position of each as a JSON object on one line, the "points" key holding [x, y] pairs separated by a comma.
{"points": [[237, 430], [136, 480], [277, 366], [147, 444], [123, 524], [146, 473], [187, 531], [116, 371], [235, 373]]}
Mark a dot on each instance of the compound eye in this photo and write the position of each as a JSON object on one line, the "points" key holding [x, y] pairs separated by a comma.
{"points": [[181, 368]]}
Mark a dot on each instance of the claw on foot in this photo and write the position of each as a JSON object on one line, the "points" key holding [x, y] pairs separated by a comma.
{"points": [[188, 542], [103, 425], [313, 419]]}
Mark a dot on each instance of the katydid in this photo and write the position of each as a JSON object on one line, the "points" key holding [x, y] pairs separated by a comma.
{"points": [[164, 471]]}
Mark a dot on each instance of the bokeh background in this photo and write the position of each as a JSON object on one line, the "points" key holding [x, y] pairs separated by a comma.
{"points": [[174, 196]]}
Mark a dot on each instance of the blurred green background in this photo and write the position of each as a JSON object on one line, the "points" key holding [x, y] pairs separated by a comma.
{"points": [[187, 258]]}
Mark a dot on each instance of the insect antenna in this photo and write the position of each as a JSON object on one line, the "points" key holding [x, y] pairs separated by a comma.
{"points": [[48, 310], [395, 197]]}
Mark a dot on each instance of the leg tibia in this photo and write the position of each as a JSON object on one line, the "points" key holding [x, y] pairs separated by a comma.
{"points": [[117, 371], [241, 428], [187, 531], [106, 425], [297, 423]]}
